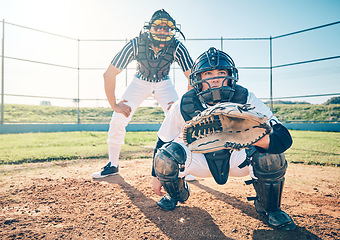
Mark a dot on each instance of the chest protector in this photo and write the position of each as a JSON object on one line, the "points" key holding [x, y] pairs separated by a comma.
{"points": [[150, 68], [218, 161]]}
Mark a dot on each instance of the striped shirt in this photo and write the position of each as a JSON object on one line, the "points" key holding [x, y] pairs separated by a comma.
{"points": [[130, 50]]}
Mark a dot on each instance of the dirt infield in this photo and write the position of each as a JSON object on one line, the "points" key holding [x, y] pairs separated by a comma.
{"points": [[59, 200]]}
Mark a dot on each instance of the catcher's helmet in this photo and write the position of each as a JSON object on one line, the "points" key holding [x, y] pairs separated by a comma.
{"points": [[161, 20], [208, 61]]}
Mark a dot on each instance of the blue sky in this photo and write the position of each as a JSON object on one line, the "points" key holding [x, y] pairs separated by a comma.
{"points": [[111, 19]]}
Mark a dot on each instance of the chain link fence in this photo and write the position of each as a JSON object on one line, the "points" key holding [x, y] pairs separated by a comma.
{"points": [[47, 74]]}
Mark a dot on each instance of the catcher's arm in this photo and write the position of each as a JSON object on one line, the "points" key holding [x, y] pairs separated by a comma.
{"points": [[263, 142], [157, 186], [279, 140]]}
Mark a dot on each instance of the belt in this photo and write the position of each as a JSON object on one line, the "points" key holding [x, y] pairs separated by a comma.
{"points": [[140, 76]]}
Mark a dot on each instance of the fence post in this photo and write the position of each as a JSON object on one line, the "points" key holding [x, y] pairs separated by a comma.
{"points": [[271, 74], [222, 43], [126, 69], [126, 77], [3, 72], [78, 100], [173, 75]]}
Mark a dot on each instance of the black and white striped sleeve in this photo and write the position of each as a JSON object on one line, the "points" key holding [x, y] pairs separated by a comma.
{"points": [[126, 55], [182, 57]]}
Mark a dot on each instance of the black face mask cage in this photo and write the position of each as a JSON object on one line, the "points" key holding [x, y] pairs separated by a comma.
{"points": [[220, 94], [214, 59], [162, 40], [196, 82]]}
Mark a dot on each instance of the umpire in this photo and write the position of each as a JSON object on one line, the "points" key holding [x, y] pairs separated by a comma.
{"points": [[155, 49]]}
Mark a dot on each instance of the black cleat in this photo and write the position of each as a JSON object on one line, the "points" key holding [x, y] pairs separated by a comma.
{"points": [[281, 220], [167, 203], [106, 171]]}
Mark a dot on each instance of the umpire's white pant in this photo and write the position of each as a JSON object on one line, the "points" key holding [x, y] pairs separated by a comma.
{"points": [[138, 90]]}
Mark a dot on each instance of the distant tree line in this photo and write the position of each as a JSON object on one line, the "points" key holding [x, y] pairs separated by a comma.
{"points": [[333, 100], [286, 102]]}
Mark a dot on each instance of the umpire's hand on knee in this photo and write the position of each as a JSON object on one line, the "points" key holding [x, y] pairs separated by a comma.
{"points": [[157, 186], [122, 108]]}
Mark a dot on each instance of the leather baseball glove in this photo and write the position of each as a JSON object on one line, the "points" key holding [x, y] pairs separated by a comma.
{"points": [[225, 126]]}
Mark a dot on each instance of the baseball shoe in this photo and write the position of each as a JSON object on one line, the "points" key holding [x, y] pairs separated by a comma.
{"points": [[278, 219], [190, 178], [281, 220], [106, 171], [167, 203]]}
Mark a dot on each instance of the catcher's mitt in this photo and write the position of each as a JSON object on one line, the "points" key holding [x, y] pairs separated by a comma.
{"points": [[225, 126]]}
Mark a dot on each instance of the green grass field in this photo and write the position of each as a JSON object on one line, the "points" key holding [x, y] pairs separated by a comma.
{"points": [[39, 147], [19, 113], [322, 148]]}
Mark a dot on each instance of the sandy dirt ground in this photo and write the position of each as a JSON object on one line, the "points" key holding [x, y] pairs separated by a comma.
{"points": [[59, 200]]}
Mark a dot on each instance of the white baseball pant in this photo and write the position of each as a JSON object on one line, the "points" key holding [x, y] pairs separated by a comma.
{"points": [[197, 165], [163, 92]]}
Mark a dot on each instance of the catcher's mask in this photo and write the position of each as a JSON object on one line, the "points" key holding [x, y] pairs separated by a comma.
{"points": [[162, 29], [208, 61]]}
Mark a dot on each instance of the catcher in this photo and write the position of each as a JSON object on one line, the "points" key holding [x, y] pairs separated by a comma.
{"points": [[205, 134]]}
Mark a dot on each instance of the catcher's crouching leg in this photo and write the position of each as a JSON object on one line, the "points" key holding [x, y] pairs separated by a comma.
{"points": [[168, 162], [270, 170]]}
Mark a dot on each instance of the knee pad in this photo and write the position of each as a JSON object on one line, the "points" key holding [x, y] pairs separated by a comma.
{"points": [[269, 166], [168, 162], [270, 170]]}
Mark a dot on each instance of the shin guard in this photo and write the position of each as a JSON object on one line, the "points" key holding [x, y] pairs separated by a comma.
{"points": [[168, 162], [270, 170]]}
